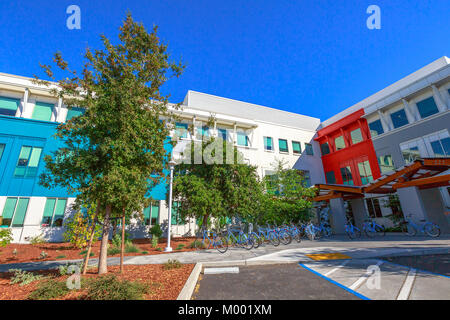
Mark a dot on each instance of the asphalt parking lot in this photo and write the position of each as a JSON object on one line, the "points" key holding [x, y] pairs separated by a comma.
{"points": [[437, 263], [269, 282]]}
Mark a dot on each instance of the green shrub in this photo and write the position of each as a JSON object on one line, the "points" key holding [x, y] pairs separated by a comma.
{"points": [[113, 251], [43, 255], [131, 248], [156, 231], [172, 264], [61, 257], [110, 288], [23, 277], [49, 289], [37, 240], [144, 252], [64, 270], [159, 249], [117, 240], [196, 244], [180, 246], [5, 237]]}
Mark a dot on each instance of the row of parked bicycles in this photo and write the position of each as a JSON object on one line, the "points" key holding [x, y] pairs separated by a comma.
{"points": [[249, 236]]}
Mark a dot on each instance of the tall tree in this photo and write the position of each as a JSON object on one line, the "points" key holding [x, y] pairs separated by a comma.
{"points": [[117, 146]]}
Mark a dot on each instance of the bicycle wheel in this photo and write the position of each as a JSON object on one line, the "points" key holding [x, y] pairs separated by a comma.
{"points": [[318, 234], [380, 230], [298, 236], [285, 238], [273, 239], [246, 241], [410, 230], [370, 232], [432, 230], [255, 239], [221, 243]]}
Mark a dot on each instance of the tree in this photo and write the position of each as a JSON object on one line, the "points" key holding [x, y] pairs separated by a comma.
{"points": [[78, 227], [219, 187], [117, 146], [287, 197]]}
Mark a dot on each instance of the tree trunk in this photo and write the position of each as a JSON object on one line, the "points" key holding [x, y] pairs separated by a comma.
{"points": [[91, 238], [103, 259], [122, 247]]}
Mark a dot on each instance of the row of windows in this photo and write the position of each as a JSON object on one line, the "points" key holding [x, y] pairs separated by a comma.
{"points": [[283, 146], [365, 174], [339, 142], [41, 111], [15, 210], [28, 161], [425, 108]]}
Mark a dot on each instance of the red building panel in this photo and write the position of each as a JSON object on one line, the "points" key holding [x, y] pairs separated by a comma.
{"points": [[353, 155]]}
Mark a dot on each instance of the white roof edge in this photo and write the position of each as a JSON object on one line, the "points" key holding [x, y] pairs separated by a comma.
{"points": [[404, 82]]}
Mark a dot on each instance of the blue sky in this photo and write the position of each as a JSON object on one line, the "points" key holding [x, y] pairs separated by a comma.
{"points": [[314, 57]]}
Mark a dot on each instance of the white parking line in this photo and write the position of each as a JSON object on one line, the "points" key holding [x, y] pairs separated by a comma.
{"points": [[221, 270], [337, 268], [408, 285], [360, 281]]}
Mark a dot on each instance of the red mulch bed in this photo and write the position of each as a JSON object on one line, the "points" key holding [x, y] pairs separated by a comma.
{"points": [[164, 284], [65, 251]]}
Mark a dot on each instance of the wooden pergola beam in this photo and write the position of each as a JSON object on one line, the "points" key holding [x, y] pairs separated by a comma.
{"points": [[444, 179], [328, 196], [340, 188]]}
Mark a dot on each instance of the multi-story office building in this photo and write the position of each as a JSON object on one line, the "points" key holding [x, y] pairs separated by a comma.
{"points": [[29, 116], [384, 132]]}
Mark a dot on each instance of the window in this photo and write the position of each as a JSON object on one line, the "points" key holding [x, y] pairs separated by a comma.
{"points": [[296, 147], [14, 212], [399, 118], [339, 143], [222, 133], [309, 149], [151, 214], [42, 111], [204, 131], [74, 112], [2, 148], [268, 144], [373, 206], [356, 136], [331, 178], [28, 162], [325, 148], [346, 173], [427, 107], [376, 128], [242, 139], [410, 154], [283, 145], [54, 212], [365, 172], [176, 220], [8, 106], [386, 164], [181, 130], [440, 144]]}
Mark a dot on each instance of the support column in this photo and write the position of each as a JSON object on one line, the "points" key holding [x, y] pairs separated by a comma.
{"points": [[410, 114], [359, 211], [384, 123], [26, 94], [442, 106], [411, 203], [337, 215]]}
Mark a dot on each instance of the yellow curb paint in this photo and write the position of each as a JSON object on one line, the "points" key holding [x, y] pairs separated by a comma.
{"points": [[327, 256]]}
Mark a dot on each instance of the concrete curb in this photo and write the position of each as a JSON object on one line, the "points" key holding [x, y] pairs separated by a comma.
{"points": [[189, 286]]}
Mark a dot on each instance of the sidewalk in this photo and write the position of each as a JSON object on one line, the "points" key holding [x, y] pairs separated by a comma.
{"points": [[295, 252]]}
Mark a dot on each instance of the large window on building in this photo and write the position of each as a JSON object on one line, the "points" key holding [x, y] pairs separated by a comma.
{"points": [[347, 177], [399, 118], [373, 206], [181, 130], [2, 148], [8, 106], [376, 128], [203, 132], [410, 154], [356, 136], [440, 144], [365, 172], [427, 107], [268, 143], [325, 148], [339, 143], [283, 145], [330, 177], [386, 164], [151, 214], [309, 149], [14, 212], [74, 112], [222, 133], [28, 162], [54, 212], [296, 147], [42, 111], [242, 139]]}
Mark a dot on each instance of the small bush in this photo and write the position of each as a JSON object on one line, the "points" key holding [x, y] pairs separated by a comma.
{"points": [[61, 257], [5, 237], [23, 277], [117, 240], [37, 240], [172, 264], [196, 244], [43, 255], [156, 231], [49, 289], [144, 252], [131, 248], [110, 288], [64, 270], [180, 246], [83, 252], [159, 249], [113, 250]]}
